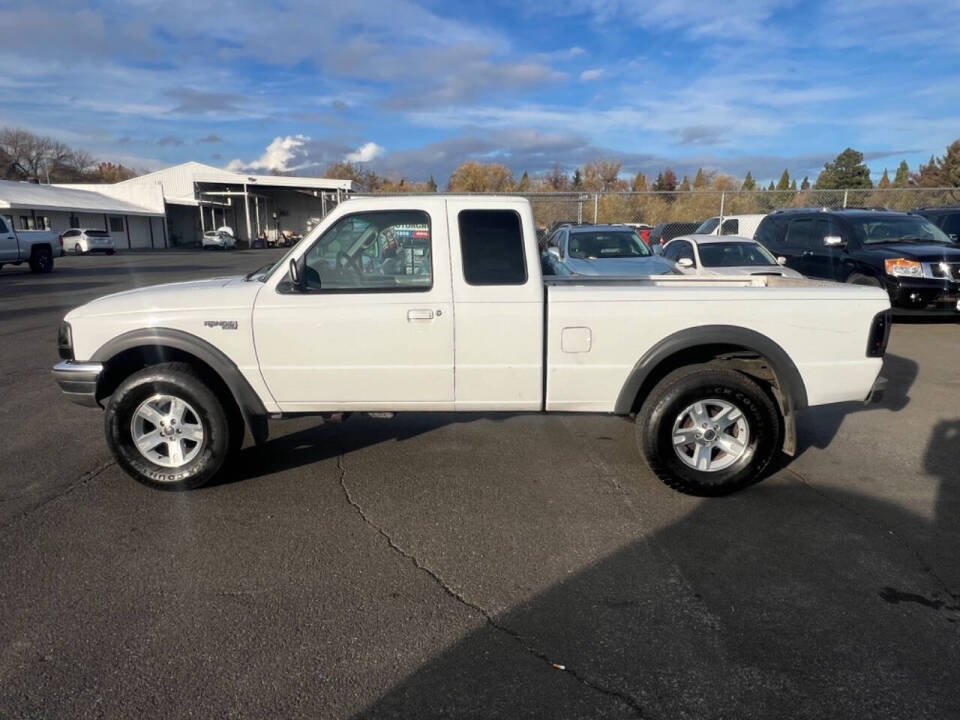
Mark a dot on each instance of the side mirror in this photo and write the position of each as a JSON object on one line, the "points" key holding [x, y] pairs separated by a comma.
{"points": [[685, 262], [657, 249], [295, 276], [833, 241], [781, 260], [554, 250]]}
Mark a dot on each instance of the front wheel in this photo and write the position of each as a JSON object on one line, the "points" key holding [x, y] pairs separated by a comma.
{"points": [[167, 429], [41, 261], [707, 430]]}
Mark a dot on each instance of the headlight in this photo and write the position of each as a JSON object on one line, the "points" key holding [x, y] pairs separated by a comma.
{"points": [[65, 341], [901, 267]]}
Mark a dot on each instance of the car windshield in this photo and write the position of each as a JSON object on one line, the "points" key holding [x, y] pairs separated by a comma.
{"points": [[734, 254], [595, 244], [707, 226], [874, 231]]}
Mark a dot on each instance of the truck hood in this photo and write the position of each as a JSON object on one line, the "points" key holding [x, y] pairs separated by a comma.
{"points": [[927, 252], [620, 267], [190, 295]]}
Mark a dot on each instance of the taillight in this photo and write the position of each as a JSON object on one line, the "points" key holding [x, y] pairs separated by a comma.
{"points": [[879, 334], [60, 240]]}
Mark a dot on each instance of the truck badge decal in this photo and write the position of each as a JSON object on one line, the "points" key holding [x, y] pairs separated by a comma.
{"points": [[223, 324]]}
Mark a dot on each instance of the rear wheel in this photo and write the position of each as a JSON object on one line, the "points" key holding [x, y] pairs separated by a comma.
{"points": [[167, 429], [77, 249], [707, 430], [41, 260]]}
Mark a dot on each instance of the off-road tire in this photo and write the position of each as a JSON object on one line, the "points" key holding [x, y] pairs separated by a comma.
{"points": [[184, 381], [687, 385], [41, 260]]}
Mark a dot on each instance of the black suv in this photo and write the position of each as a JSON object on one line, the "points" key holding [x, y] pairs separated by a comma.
{"points": [[945, 218], [906, 254]]}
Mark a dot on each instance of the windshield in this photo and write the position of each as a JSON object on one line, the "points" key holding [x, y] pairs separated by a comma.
{"points": [[707, 226], [606, 244], [734, 254], [873, 231]]}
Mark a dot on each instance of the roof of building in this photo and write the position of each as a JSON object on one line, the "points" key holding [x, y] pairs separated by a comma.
{"points": [[178, 181], [23, 195]]}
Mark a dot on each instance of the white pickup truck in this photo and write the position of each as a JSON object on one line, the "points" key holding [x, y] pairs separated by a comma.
{"points": [[437, 303], [36, 247]]}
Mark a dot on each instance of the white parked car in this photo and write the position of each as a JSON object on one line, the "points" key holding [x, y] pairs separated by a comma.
{"points": [[218, 239], [724, 255], [81, 241], [436, 303], [742, 225]]}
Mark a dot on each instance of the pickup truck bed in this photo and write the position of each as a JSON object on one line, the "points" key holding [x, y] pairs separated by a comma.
{"points": [[436, 303]]}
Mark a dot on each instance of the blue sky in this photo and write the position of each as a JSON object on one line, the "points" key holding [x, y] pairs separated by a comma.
{"points": [[414, 88]]}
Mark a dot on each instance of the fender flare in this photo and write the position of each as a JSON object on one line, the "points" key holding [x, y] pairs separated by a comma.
{"points": [[250, 404], [788, 377]]}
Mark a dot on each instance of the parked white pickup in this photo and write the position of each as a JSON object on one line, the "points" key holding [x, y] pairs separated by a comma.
{"points": [[437, 303], [36, 247]]}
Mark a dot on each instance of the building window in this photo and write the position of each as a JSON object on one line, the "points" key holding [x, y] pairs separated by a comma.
{"points": [[42, 222], [74, 221], [26, 223], [116, 224]]}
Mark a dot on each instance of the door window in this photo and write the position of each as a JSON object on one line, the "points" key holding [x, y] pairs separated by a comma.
{"points": [[951, 225], [730, 227], [3, 226], [807, 233], [491, 246], [375, 251], [680, 249]]}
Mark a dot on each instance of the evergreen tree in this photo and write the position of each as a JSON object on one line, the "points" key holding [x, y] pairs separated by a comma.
{"points": [[749, 183], [902, 178], [943, 171], [639, 183], [846, 171], [658, 183], [784, 183], [699, 182], [884, 181], [684, 184], [524, 185], [793, 185], [772, 186], [805, 185], [577, 179], [431, 184]]}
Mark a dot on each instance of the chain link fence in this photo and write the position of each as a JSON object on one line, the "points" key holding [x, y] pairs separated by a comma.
{"points": [[693, 207]]}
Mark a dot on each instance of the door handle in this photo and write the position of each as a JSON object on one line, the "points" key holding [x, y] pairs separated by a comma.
{"points": [[415, 315]]}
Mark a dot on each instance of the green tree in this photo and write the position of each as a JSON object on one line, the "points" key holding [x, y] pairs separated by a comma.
{"points": [[684, 184], [639, 183], [524, 184], [749, 183], [805, 185], [772, 186], [793, 185], [577, 179], [884, 181], [666, 181], [902, 178], [943, 171], [431, 184], [700, 181], [846, 171], [784, 183]]}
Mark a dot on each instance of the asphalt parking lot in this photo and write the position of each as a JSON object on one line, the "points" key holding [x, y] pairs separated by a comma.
{"points": [[478, 566]]}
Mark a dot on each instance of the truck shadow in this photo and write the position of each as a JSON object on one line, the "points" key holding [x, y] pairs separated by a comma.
{"points": [[755, 605]]}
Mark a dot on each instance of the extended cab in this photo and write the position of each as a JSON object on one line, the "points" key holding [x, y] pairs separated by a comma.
{"points": [[36, 247], [436, 303]]}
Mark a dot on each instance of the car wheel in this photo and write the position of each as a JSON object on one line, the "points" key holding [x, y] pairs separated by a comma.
{"points": [[707, 430], [41, 260], [167, 428], [858, 279], [110, 252], [77, 250]]}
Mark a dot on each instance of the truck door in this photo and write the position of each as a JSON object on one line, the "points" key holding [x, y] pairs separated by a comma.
{"points": [[805, 250], [499, 304], [8, 242], [373, 328]]}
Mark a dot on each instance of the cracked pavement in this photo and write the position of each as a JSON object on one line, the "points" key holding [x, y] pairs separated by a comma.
{"points": [[472, 566]]}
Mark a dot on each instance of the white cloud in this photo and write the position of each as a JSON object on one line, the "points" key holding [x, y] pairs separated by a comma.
{"points": [[365, 153], [589, 75], [277, 156]]}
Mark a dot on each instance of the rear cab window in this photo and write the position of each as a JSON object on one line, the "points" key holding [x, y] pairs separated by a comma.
{"points": [[491, 247]]}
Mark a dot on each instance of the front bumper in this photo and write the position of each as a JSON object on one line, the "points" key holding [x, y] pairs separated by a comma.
{"points": [[924, 294], [78, 381]]}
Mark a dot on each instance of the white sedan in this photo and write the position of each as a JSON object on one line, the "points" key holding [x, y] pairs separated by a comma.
{"points": [[724, 255], [218, 239]]}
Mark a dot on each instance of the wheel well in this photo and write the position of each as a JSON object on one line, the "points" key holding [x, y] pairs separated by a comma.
{"points": [[40, 246], [125, 363], [736, 357]]}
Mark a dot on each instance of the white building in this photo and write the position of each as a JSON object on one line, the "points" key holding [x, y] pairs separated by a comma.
{"points": [[135, 220], [200, 197], [175, 205]]}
